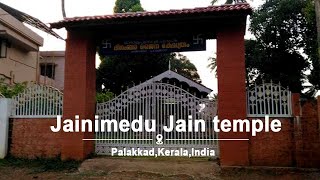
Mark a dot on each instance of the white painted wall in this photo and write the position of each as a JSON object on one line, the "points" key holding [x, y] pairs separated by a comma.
{"points": [[57, 58], [19, 65], [5, 108], [21, 62]]}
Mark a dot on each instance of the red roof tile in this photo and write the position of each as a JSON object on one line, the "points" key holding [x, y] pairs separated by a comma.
{"points": [[243, 7]]}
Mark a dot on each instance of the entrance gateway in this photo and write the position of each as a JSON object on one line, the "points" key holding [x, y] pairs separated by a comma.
{"points": [[157, 100], [227, 25]]}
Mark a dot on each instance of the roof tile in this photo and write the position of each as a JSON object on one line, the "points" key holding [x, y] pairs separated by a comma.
{"points": [[227, 8]]}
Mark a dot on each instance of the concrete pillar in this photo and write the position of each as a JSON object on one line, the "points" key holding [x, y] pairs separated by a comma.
{"points": [[79, 93], [232, 93], [5, 109]]}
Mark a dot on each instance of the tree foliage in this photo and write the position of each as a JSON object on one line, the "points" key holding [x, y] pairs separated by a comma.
{"points": [[312, 46], [10, 91], [276, 65], [282, 36], [280, 24], [104, 96], [119, 72], [122, 6], [285, 46]]}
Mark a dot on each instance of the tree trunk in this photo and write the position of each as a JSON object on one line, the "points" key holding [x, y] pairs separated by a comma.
{"points": [[317, 8], [63, 9]]}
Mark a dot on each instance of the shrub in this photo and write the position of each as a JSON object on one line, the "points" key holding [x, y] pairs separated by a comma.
{"points": [[104, 96], [10, 91]]}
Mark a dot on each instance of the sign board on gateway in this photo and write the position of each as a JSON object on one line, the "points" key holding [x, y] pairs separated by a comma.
{"points": [[136, 46]]}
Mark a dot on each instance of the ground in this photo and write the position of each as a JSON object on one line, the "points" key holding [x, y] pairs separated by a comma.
{"points": [[140, 168]]}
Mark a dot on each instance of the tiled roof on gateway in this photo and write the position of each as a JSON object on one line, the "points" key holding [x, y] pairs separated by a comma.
{"points": [[240, 8]]}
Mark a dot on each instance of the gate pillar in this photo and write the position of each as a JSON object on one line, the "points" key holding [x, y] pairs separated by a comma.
{"points": [[79, 93], [232, 93]]}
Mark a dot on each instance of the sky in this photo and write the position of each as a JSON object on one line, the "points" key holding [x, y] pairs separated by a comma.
{"points": [[49, 11]]}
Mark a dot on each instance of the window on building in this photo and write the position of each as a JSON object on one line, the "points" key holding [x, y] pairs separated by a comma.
{"points": [[47, 70], [3, 48]]}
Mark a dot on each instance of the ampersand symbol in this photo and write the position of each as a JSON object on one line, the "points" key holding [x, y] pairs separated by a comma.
{"points": [[159, 139]]}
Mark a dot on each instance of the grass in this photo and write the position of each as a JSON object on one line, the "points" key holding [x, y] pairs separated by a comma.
{"points": [[41, 165]]}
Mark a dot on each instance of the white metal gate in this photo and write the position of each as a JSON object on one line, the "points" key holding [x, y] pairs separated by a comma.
{"points": [[38, 101], [269, 99], [157, 101]]}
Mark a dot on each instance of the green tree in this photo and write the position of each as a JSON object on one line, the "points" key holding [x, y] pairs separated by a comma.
{"points": [[264, 64], [312, 44], [122, 6], [118, 72], [282, 32]]}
